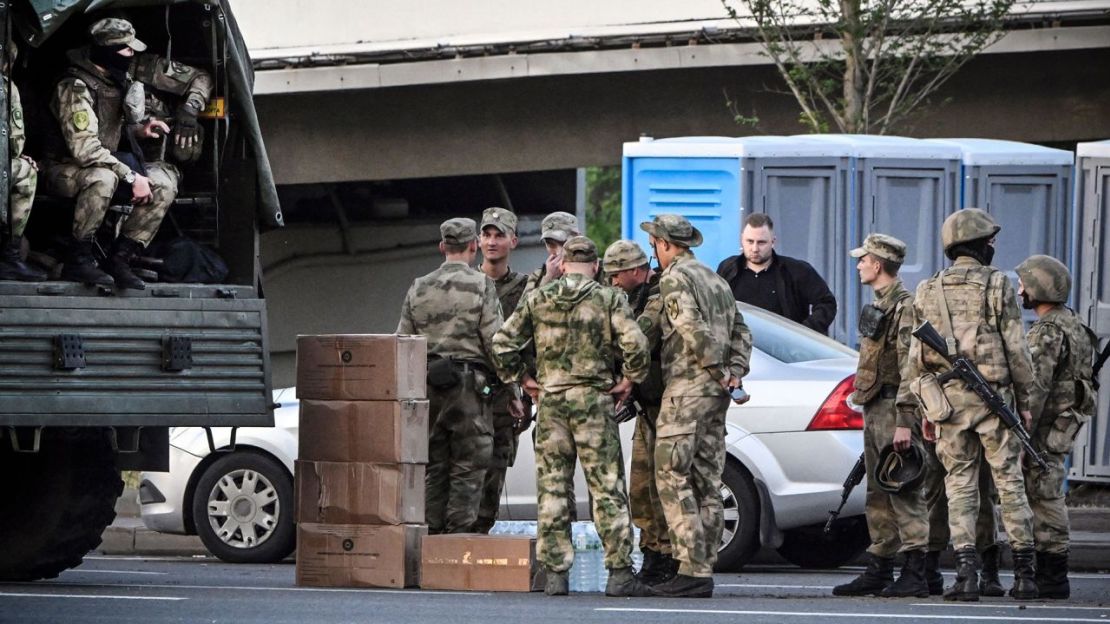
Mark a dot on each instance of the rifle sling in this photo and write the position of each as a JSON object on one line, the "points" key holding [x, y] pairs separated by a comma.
{"points": [[946, 319]]}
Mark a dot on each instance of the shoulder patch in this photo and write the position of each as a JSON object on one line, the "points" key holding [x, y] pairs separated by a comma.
{"points": [[672, 308], [81, 119]]}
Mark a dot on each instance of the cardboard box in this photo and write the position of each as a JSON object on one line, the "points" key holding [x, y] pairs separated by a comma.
{"points": [[364, 431], [359, 555], [359, 493], [477, 562], [361, 367]]}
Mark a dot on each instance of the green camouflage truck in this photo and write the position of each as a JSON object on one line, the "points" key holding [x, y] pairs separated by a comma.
{"points": [[92, 378]]}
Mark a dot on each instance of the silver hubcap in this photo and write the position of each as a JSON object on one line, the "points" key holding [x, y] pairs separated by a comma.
{"points": [[731, 515], [243, 508]]}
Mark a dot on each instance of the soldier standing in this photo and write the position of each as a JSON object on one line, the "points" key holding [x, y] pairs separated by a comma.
{"points": [[896, 522], [580, 328], [22, 188], [456, 308], [555, 229], [627, 268], [88, 104], [1064, 399], [976, 310], [497, 239], [705, 351]]}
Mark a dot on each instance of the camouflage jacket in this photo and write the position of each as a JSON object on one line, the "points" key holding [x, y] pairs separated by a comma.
{"points": [[580, 330], [16, 132], [1062, 358], [647, 306], [881, 358], [89, 106], [456, 308], [987, 322], [701, 333], [510, 290]]}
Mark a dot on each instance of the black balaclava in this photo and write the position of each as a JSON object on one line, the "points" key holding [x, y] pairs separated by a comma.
{"points": [[110, 59], [979, 249]]}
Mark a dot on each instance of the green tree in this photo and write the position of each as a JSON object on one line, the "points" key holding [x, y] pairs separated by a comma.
{"points": [[603, 205], [863, 66]]}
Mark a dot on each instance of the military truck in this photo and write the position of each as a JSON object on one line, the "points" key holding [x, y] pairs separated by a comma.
{"points": [[92, 378]]}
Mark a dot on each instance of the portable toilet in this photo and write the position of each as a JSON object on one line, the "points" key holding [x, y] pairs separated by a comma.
{"points": [[1091, 280], [717, 181], [1028, 189], [900, 186]]}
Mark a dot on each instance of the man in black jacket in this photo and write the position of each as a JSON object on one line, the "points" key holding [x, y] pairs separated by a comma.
{"points": [[786, 286]]}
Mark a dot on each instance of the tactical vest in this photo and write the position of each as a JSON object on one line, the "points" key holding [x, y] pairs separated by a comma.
{"points": [[1072, 390], [649, 392], [967, 290], [107, 103], [878, 357]]}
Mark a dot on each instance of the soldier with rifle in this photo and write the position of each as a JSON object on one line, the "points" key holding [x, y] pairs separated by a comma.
{"points": [[964, 383]]}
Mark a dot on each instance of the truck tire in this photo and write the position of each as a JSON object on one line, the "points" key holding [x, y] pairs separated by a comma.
{"points": [[56, 502]]}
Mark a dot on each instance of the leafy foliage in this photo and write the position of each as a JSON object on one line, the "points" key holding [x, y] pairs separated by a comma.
{"points": [[603, 205]]}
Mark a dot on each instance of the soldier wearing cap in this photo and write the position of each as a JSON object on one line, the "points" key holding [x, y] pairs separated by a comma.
{"points": [[555, 229], [973, 306], [626, 267], [456, 308], [1063, 399], [705, 352], [897, 522], [100, 162], [511, 415], [24, 173], [582, 332]]}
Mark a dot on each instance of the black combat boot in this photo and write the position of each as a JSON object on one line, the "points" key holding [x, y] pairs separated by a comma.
{"points": [[558, 584], [932, 573], [657, 568], [989, 583], [12, 265], [879, 574], [623, 583], [966, 587], [81, 267], [1025, 584], [119, 264], [682, 586], [1052, 576], [911, 581]]}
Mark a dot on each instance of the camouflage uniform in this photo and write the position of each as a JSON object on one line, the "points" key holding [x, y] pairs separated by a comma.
{"points": [[89, 108], [559, 227], [703, 339], [580, 330], [24, 176], [456, 308], [510, 288]]}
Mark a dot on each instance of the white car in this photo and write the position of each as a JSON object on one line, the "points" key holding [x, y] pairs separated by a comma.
{"points": [[789, 450]]}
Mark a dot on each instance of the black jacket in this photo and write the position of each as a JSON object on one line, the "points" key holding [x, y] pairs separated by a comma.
{"points": [[803, 294]]}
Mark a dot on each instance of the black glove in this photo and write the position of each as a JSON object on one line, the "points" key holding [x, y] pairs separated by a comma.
{"points": [[186, 126]]}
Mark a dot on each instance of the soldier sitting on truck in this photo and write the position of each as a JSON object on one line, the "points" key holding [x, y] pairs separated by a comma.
{"points": [[24, 174], [88, 105]]}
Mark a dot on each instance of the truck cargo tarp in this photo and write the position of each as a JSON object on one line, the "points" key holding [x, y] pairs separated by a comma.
{"points": [[38, 19]]}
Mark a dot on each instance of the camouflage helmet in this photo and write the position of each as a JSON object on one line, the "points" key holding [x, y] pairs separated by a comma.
{"points": [[113, 31], [1045, 279], [623, 255], [898, 472], [967, 225]]}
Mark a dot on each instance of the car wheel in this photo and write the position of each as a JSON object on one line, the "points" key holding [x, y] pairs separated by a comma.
{"points": [[740, 539], [243, 509], [810, 547]]}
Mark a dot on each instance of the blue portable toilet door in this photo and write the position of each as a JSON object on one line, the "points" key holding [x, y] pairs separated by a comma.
{"points": [[1033, 213], [803, 203]]}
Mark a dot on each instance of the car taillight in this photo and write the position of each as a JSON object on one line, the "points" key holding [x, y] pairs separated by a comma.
{"points": [[836, 412]]}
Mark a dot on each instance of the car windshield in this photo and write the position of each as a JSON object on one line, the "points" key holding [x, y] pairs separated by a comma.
{"points": [[787, 341]]}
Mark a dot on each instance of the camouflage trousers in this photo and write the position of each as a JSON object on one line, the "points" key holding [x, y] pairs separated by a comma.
{"points": [[505, 443], [643, 494], [93, 187], [578, 423], [896, 522], [1046, 499], [460, 443], [973, 432], [24, 178], [986, 525], [689, 460]]}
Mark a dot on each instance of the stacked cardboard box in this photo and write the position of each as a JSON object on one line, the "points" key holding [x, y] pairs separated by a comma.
{"points": [[472, 562], [360, 471]]}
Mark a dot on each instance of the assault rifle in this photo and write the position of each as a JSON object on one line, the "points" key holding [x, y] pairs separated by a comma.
{"points": [[854, 478], [966, 371]]}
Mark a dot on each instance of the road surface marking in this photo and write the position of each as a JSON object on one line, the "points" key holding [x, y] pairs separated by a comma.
{"points": [[892, 616], [116, 572], [773, 586], [1011, 606], [413, 591], [94, 596]]}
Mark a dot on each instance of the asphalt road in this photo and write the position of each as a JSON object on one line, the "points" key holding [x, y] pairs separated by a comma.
{"points": [[156, 590]]}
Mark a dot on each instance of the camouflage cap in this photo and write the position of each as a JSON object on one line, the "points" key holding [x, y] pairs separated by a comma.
{"points": [[559, 226], [623, 255], [1045, 279], [458, 231], [881, 246], [499, 218], [673, 228], [112, 31], [967, 225], [579, 249]]}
